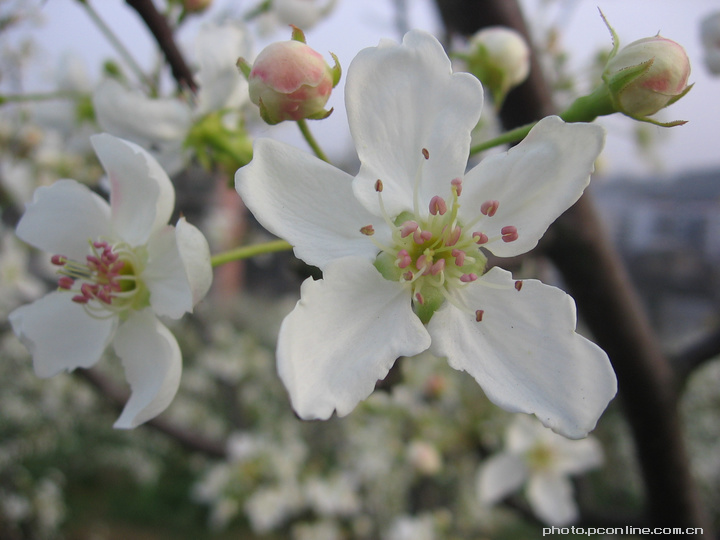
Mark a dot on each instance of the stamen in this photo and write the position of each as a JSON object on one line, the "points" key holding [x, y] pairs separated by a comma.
{"points": [[425, 153], [457, 185], [403, 259], [437, 206], [489, 208], [459, 256], [479, 315], [419, 298], [437, 267], [518, 285], [367, 230], [407, 228], [480, 238], [66, 282], [509, 233], [468, 278], [58, 260], [378, 186], [453, 237], [420, 237]]}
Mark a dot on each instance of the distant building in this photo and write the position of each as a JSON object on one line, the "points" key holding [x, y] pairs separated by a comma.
{"points": [[668, 233]]}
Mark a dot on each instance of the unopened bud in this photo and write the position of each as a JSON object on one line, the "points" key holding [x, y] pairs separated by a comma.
{"points": [[647, 75], [500, 58], [291, 81]]}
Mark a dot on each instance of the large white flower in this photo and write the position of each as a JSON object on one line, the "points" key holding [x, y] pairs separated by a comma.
{"points": [[543, 461], [121, 266], [399, 246], [163, 124]]}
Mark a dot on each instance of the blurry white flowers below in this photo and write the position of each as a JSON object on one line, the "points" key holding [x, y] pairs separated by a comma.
{"points": [[120, 266], [543, 461]]}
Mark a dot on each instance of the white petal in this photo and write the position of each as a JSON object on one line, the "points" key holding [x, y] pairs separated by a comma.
{"points": [[218, 47], [344, 334], [307, 202], [499, 476], [165, 276], [551, 498], [195, 255], [141, 194], [153, 365], [63, 217], [525, 353], [160, 125], [401, 99], [60, 335], [534, 182], [131, 115]]}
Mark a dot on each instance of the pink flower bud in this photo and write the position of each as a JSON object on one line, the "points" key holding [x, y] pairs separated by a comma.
{"points": [[662, 69], [291, 81]]}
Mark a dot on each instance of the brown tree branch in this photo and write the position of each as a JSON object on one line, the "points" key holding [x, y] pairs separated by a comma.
{"points": [[187, 439], [594, 275], [158, 25]]}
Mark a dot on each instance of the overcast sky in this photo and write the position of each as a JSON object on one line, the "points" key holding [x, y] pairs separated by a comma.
{"points": [[355, 25]]}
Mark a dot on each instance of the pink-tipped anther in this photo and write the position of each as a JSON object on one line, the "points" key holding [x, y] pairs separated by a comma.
{"points": [[58, 260], [403, 259], [378, 186], [479, 315], [419, 298], [509, 233], [367, 230], [425, 153], [468, 278], [457, 185], [453, 237], [459, 256], [489, 208], [424, 263], [407, 228], [437, 267], [420, 237], [66, 282], [438, 206], [480, 238]]}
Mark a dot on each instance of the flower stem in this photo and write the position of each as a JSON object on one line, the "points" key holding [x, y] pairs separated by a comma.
{"points": [[302, 124], [121, 49], [514, 135], [246, 252]]}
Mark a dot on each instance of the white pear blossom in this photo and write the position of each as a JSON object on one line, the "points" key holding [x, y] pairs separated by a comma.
{"points": [[543, 461], [121, 266], [163, 124], [399, 246], [301, 13]]}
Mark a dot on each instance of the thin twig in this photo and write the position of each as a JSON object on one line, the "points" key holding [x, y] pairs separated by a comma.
{"points": [[158, 25]]}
